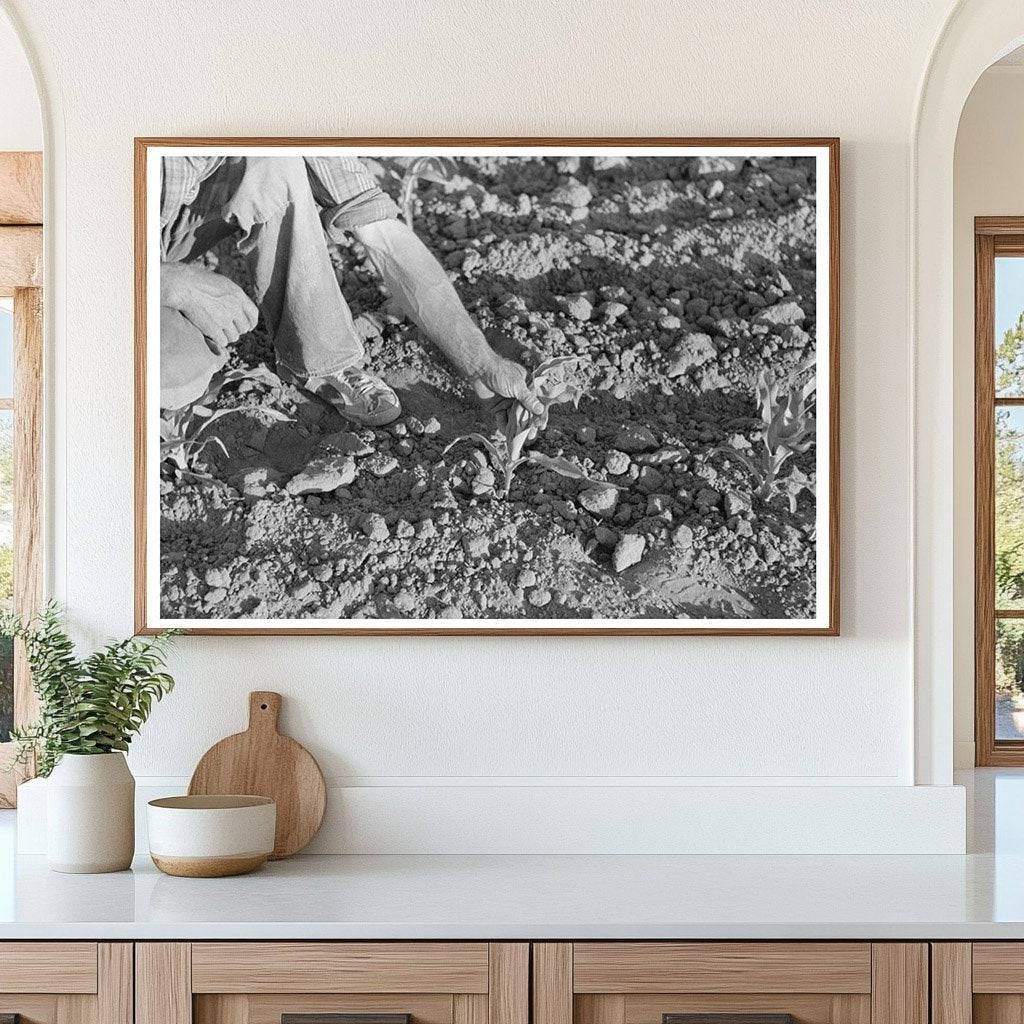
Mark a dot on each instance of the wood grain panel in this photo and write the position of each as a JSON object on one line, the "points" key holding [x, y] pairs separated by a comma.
{"points": [[508, 990], [899, 989], [28, 491], [28, 482], [469, 1008], [76, 1009], [225, 1009], [998, 1009], [33, 1009], [21, 258], [984, 502], [951, 982], [998, 967], [339, 967], [552, 983], [21, 188], [807, 1009], [599, 1009], [48, 967], [163, 983], [998, 225], [633, 967], [115, 983], [267, 1009], [851, 1009]]}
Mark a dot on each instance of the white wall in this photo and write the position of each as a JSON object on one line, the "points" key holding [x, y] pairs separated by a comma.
{"points": [[988, 181], [440, 712], [21, 125]]}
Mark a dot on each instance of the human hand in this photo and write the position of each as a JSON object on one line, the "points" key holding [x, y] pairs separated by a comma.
{"points": [[505, 377], [212, 302]]}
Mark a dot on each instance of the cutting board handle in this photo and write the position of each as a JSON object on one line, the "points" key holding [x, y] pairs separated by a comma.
{"points": [[264, 710]]}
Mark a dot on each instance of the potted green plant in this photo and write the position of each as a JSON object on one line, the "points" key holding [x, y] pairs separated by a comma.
{"points": [[89, 710]]}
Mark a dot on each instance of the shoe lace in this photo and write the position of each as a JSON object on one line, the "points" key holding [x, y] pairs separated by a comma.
{"points": [[361, 383]]}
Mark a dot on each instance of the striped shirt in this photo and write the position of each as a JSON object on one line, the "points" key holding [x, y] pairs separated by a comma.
{"points": [[346, 191]]}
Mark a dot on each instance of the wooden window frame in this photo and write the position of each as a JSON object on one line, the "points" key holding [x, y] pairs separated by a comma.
{"points": [[21, 271]]}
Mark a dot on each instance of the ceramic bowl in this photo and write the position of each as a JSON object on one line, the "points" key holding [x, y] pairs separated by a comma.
{"points": [[211, 836]]}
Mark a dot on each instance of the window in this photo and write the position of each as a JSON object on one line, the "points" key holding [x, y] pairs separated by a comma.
{"points": [[6, 510], [21, 349], [999, 490]]}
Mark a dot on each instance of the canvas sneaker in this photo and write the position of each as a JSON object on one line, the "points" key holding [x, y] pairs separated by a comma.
{"points": [[359, 396]]}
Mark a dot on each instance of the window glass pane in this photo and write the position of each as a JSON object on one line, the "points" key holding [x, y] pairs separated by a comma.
{"points": [[6, 564], [6, 348], [1009, 326], [1009, 485], [1009, 679]]}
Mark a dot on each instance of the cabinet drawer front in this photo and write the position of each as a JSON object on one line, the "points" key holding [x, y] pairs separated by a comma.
{"points": [[339, 967], [56, 967], [268, 1009], [721, 967], [998, 967]]}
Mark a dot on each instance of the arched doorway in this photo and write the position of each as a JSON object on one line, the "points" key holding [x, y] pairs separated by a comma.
{"points": [[976, 34]]}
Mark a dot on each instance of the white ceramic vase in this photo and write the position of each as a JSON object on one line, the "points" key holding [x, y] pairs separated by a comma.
{"points": [[90, 814]]}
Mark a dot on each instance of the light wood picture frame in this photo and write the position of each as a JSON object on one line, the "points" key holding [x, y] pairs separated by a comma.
{"points": [[734, 202]]}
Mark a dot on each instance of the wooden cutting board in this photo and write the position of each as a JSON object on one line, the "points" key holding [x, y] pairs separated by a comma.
{"points": [[262, 762]]}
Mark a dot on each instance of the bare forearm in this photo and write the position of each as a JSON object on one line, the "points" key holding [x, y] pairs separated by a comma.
{"points": [[420, 285]]}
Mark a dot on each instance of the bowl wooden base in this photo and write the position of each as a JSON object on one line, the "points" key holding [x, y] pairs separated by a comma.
{"points": [[210, 867]]}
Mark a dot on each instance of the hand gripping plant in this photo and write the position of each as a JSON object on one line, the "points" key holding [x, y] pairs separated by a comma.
{"points": [[789, 429], [517, 426]]}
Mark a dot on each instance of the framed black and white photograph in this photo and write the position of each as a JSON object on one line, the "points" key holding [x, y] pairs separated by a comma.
{"points": [[487, 385]]}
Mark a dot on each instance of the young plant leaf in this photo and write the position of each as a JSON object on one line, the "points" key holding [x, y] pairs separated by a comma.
{"points": [[484, 443], [563, 467]]}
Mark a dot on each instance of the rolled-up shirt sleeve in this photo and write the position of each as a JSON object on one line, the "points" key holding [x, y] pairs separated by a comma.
{"points": [[347, 193], [180, 181]]}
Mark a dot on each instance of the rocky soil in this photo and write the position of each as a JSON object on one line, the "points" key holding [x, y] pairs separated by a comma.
{"points": [[677, 281]]}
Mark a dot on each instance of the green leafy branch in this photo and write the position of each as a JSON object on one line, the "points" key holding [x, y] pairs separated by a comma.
{"points": [[90, 705]]}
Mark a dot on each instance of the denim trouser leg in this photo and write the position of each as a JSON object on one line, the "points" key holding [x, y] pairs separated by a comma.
{"points": [[268, 199], [296, 285]]}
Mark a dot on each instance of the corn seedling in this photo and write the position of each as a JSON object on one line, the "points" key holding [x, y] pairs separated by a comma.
{"points": [[788, 429], [438, 169], [500, 458], [182, 431]]}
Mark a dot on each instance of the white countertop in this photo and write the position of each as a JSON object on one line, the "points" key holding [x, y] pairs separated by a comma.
{"points": [[532, 897], [977, 896]]}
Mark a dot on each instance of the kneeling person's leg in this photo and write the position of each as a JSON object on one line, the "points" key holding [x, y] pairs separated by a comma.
{"points": [[295, 280], [310, 321]]}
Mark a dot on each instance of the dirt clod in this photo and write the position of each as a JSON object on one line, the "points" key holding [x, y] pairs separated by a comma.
{"points": [[628, 551]]}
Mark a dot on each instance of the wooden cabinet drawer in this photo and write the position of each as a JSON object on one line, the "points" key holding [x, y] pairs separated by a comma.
{"points": [[340, 967], [814, 982], [722, 967], [259, 982], [64, 982], [981, 982], [48, 967]]}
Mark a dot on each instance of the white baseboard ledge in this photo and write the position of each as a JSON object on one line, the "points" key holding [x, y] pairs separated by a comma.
{"points": [[599, 819]]}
